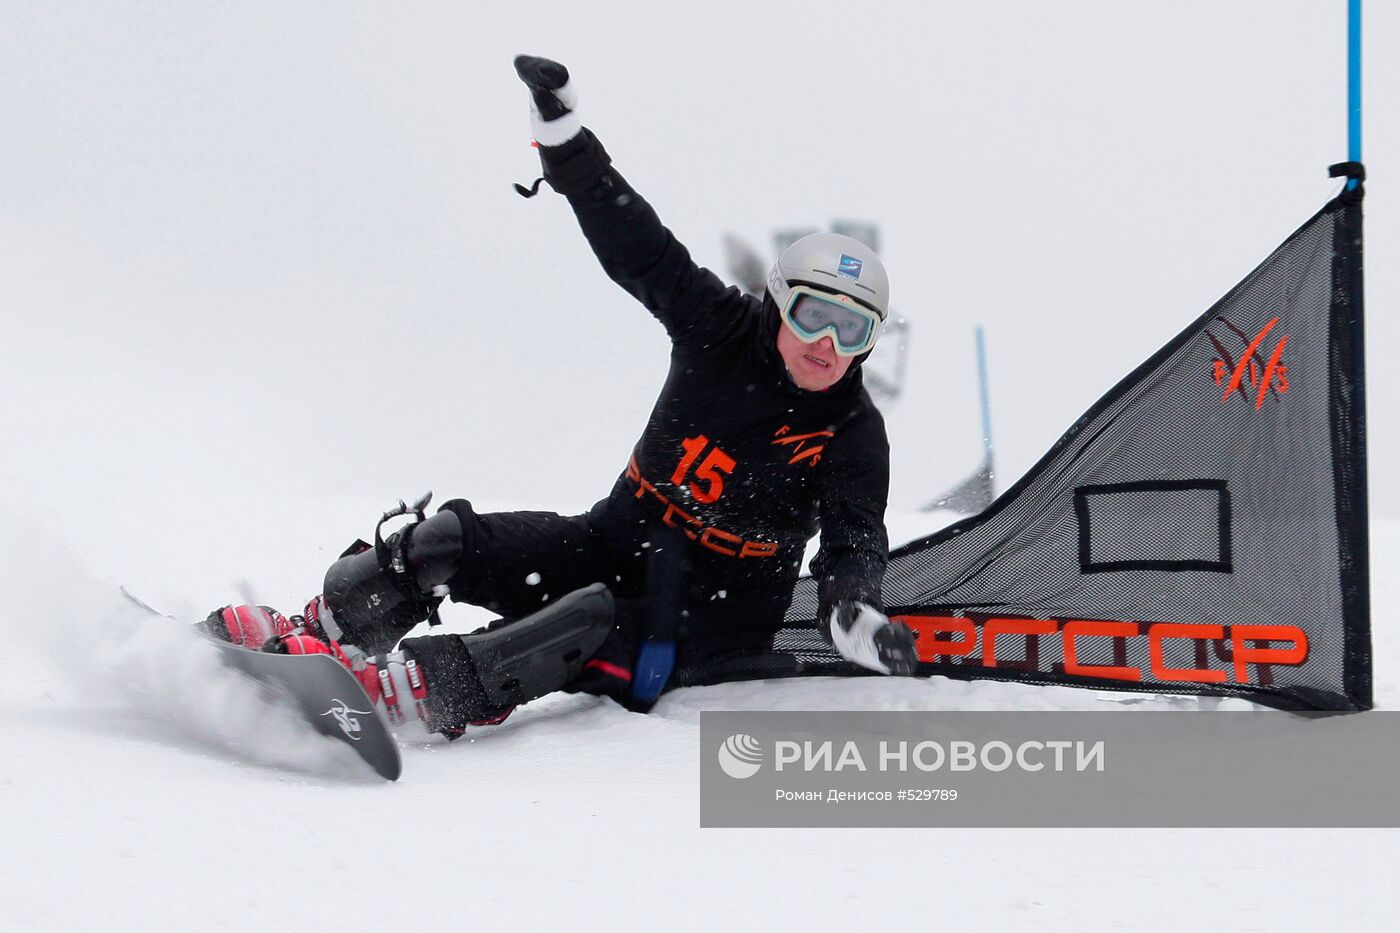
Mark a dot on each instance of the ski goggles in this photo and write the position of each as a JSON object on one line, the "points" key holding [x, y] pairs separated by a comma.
{"points": [[812, 314]]}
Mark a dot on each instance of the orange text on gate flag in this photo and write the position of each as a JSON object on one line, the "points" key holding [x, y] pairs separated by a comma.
{"points": [[707, 536], [1220, 653]]}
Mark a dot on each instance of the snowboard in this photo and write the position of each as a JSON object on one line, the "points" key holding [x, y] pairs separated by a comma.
{"points": [[326, 694]]}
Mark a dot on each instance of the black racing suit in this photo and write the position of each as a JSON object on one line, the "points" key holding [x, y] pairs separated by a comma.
{"points": [[702, 537]]}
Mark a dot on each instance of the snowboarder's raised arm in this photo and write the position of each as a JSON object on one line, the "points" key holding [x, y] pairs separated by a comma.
{"points": [[635, 249]]}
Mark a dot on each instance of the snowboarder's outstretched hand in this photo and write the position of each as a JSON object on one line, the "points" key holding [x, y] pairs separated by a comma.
{"points": [[865, 635], [553, 101]]}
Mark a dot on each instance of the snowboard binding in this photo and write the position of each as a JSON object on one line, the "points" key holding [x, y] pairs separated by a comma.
{"points": [[374, 594]]}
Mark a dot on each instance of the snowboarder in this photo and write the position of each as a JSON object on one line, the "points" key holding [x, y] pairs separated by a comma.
{"points": [[762, 435]]}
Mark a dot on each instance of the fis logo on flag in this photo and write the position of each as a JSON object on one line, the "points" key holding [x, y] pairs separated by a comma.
{"points": [[1257, 370], [849, 266]]}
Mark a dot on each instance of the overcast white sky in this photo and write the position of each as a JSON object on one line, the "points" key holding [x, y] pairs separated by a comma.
{"points": [[270, 252]]}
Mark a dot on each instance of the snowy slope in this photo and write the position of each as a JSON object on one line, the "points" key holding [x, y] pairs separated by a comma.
{"points": [[136, 795]]}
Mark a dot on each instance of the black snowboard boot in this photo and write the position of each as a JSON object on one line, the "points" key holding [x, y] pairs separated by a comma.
{"points": [[478, 679]]}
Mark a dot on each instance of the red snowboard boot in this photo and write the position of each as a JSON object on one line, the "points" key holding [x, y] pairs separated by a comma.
{"points": [[394, 681]]}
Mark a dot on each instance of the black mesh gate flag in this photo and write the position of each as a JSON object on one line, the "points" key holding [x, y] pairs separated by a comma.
{"points": [[1202, 529]]}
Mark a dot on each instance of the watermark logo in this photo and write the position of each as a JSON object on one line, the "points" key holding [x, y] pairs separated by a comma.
{"points": [[741, 756], [343, 718], [1056, 768], [1253, 371]]}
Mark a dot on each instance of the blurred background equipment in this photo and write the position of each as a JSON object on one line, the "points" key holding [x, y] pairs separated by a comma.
{"points": [[976, 492]]}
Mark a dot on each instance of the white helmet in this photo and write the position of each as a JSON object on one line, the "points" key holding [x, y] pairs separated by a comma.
{"points": [[833, 263]]}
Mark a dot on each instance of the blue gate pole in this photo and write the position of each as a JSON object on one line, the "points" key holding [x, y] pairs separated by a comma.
{"points": [[1353, 84], [986, 403]]}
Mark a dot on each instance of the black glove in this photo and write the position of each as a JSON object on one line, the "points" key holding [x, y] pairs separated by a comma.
{"points": [[865, 635], [553, 101]]}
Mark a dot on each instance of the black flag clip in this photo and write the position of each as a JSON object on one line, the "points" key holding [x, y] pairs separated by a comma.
{"points": [[1356, 173], [1353, 170]]}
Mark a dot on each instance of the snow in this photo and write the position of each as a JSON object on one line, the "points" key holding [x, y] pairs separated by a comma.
{"points": [[227, 238], [147, 788]]}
